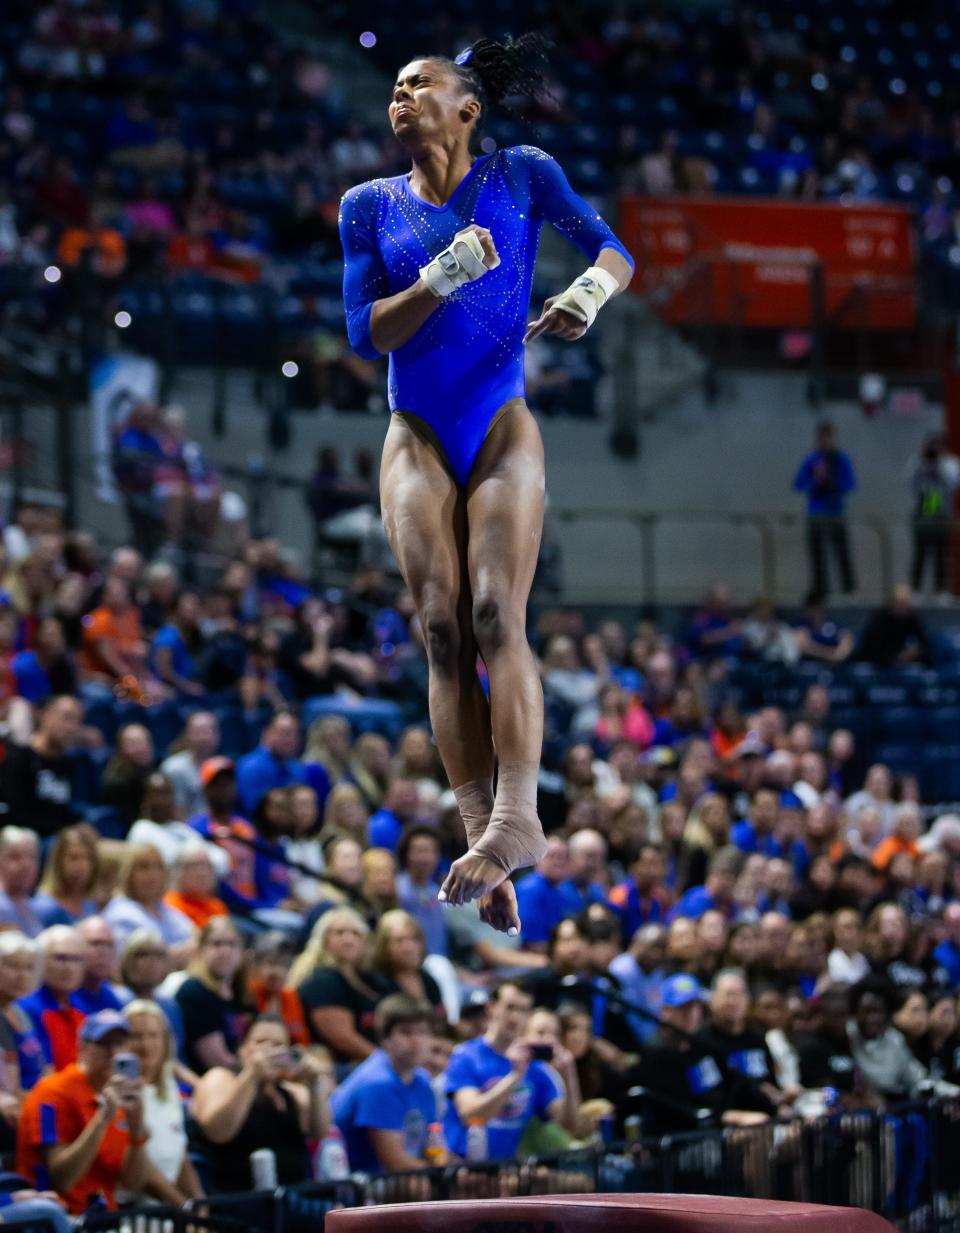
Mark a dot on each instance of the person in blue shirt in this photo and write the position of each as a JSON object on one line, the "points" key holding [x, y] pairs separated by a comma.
{"points": [[544, 898], [175, 645], [947, 953], [589, 854], [384, 1108], [494, 1078], [273, 764], [47, 668], [642, 974], [755, 833], [642, 898], [826, 477], [438, 267], [715, 632], [399, 809], [418, 854], [96, 990], [716, 894]]}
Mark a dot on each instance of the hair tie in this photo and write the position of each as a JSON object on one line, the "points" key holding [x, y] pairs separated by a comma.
{"points": [[464, 56]]}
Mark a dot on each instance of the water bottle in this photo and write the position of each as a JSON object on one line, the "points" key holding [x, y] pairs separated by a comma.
{"points": [[330, 1160], [263, 1166], [435, 1152], [476, 1140]]}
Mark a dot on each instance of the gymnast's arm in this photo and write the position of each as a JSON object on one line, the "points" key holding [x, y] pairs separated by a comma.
{"points": [[555, 201], [395, 319], [378, 323]]}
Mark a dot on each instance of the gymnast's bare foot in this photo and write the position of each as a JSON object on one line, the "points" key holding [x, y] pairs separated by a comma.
{"points": [[472, 877], [510, 842], [499, 909]]}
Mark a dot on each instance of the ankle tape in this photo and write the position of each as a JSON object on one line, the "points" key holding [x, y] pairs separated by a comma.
{"points": [[514, 837]]}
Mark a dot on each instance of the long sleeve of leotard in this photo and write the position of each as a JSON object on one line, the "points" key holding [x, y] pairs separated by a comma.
{"points": [[554, 201], [364, 275]]}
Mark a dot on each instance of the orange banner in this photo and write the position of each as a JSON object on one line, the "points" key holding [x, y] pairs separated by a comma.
{"points": [[763, 262]]}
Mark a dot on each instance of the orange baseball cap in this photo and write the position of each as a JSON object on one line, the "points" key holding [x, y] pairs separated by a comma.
{"points": [[213, 767]]}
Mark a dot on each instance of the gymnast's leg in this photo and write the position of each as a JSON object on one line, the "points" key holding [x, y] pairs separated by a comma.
{"points": [[505, 523], [425, 517]]}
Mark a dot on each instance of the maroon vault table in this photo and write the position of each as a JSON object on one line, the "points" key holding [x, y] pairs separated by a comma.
{"points": [[599, 1213]]}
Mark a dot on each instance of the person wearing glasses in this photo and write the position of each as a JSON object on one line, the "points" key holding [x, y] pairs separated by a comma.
{"points": [[54, 1009]]}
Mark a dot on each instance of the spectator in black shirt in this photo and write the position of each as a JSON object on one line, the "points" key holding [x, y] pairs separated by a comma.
{"points": [[213, 999], [37, 780], [125, 775], [895, 634], [686, 1085], [940, 1048], [823, 1049], [737, 1046], [338, 998]]}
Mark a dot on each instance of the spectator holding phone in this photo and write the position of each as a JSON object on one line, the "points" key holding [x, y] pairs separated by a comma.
{"points": [[495, 1079], [82, 1131], [278, 1100]]}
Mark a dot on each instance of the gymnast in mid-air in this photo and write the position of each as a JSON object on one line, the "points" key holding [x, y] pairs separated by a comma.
{"points": [[438, 270]]}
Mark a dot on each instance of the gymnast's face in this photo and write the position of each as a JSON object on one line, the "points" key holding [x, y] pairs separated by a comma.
{"points": [[429, 103]]}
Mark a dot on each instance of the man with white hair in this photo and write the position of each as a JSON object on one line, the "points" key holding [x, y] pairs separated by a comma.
{"points": [[96, 991], [53, 1009], [19, 867]]}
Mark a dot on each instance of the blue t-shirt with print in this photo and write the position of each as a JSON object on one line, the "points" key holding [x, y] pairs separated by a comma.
{"points": [[476, 1064], [374, 1097]]}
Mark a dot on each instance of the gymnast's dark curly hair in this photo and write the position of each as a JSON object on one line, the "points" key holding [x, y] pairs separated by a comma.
{"points": [[494, 72]]}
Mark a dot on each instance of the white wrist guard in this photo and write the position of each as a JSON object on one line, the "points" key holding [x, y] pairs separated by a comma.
{"points": [[461, 263], [585, 297]]}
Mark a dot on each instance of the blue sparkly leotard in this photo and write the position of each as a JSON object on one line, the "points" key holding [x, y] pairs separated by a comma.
{"points": [[466, 361]]}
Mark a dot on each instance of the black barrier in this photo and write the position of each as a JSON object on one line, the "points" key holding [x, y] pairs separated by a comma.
{"points": [[901, 1162]]}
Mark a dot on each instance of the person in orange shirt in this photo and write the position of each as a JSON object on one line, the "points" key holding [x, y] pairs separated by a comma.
{"points": [[906, 831], [272, 956], [81, 1130], [194, 882], [112, 638]]}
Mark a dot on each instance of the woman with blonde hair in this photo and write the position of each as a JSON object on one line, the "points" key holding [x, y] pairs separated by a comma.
{"points": [[337, 993], [706, 831], [213, 999], [328, 743], [370, 768], [140, 903], [396, 960], [69, 876], [173, 1178], [345, 813]]}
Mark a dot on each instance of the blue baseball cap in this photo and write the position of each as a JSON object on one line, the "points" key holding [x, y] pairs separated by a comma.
{"points": [[95, 1027], [681, 989]]}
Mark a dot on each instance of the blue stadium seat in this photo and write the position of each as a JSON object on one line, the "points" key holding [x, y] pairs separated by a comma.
{"points": [[106, 822], [364, 714], [899, 723], [942, 724], [887, 693], [165, 722]]}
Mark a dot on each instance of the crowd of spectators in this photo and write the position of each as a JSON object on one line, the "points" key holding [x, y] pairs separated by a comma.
{"points": [[225, 824]]}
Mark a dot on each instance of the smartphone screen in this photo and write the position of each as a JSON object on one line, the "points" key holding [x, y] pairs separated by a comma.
{"points": [[126, 1065]]}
